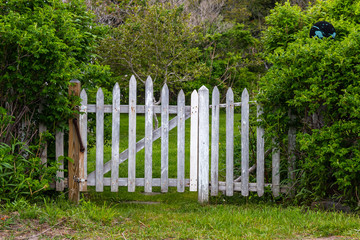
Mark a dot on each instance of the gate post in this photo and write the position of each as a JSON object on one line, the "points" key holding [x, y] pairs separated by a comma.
{"points": [[203, 193], [74, 149]]}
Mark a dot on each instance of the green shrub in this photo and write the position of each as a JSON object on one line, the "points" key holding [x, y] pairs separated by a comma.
{"points": [[22, 177], [319, 81], [44, 44]]}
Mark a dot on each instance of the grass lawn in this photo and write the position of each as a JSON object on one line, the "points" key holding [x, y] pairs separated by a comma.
{"points": [[140, 156], [173, 215]]}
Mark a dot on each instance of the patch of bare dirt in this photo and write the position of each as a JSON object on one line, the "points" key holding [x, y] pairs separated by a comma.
{"points": [[33, 229]]}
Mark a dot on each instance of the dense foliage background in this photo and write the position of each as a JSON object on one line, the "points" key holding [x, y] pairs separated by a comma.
{"points": [[263, 46], [44, 44], [318, 81]]}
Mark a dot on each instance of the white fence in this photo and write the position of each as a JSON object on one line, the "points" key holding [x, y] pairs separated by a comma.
{"points": [[201, 164]]}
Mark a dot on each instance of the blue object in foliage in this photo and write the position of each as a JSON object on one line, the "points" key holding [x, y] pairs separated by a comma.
{"points": [[322, 29]]}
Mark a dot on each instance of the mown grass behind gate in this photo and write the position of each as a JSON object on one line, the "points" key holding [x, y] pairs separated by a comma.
{"points": [[140, 133]]}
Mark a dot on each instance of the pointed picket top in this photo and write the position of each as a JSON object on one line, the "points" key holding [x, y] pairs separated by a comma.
{"points": [[83, 95], [148, 81], [181, 95], [194, 93], [116, 88], [203, 88], [164, 89], [132, 79], [229, 93], [100, 93], [116, 95], [215, 91], [245, 94], [149, 92]]}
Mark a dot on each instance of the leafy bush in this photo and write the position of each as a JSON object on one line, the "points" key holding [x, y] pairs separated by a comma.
{"points": [[44, 44], [154, 41], [318, 80], [20, 176]]}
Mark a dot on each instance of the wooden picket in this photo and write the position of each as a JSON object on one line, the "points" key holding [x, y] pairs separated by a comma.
{"points": [[148, 134], [83, 135], [230, 143], [200, 163], [132, 135], [276, 172], [59, 152], [115, 138], [215, 121], [203, 188], [260, 156], [43, 156], [181, 142], [194, 141], [164, 139], [245, 143], [99, 140]]}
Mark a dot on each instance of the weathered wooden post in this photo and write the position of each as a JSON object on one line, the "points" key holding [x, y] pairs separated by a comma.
{"points": [[83, 147], [291, 153], [194, 141], [245, 143], [74, 149], [149, 113], [181, 142], [260, 155], [275, 171], [215, 122], [203, 186], [132, 135], [230, 143]]}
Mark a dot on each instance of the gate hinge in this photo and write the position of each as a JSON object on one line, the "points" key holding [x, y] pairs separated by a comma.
{"points": [[79, 180]]}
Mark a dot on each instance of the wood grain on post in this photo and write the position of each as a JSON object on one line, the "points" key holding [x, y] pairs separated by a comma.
{"points": [[194, 141], [245, 143], [74, 149], [165, 139], [276, 171], [83, 134], [181, 143], [99, 141], [115, 138], [203, 187], [42, 130], [260, 156], [229, 143], [149, 112], [43, 156], [132, 135], [59, 152], [215, 120]]}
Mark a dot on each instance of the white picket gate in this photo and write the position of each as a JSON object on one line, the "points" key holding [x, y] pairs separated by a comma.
{"points": [[200, 143]]}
